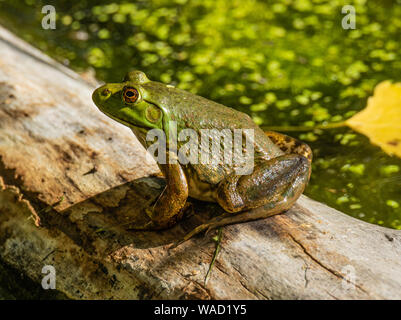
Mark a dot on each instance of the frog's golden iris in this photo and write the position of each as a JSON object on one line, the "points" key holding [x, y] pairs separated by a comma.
{"points": [[130, 94]]}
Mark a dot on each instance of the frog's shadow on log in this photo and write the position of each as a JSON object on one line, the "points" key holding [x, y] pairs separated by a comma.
{"points": [[110, 216]]}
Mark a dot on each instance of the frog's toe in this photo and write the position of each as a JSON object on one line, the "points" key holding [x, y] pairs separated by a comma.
{"points": [[212, 224], [150, 225], [146, 222], [189, 235]]}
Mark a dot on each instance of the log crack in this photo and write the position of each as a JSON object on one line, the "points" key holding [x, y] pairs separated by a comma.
{"points": [[322, 265], [242, 276]]}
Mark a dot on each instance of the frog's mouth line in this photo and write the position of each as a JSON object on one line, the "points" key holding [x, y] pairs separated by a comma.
{"points": [[129, 125]]}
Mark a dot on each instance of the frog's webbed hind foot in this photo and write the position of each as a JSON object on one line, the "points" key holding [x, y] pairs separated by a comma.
{"points": [[290, 145], [228, 218], [222, 220]]}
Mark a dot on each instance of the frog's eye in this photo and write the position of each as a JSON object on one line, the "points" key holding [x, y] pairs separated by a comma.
{"points": [[130, 94]]}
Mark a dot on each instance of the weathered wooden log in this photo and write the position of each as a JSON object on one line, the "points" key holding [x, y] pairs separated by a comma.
{"points": [[54, 143]]}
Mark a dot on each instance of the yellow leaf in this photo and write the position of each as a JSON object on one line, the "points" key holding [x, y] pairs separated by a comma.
{"points": [[381, 119]]}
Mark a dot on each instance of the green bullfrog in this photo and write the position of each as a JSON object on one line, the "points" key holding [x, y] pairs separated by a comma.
{"points": [[281, 165]]}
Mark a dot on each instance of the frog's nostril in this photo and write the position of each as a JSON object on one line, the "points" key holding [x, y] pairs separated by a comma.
{"points": [[105, 92]]}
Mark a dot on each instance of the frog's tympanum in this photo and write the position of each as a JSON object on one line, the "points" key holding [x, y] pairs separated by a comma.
{"points": [[281, 170]]}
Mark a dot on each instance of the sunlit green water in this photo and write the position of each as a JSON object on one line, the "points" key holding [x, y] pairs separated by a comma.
{"points": [[283, 62]]}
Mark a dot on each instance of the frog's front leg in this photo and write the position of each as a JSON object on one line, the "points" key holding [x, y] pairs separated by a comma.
{"points": [[170, 205], [274, 185]]}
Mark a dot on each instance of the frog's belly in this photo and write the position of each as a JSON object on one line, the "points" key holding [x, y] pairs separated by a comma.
{"points": [[201, 190]]}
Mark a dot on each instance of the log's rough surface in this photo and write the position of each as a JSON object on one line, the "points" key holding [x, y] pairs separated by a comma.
{"points": [[54, 142]]}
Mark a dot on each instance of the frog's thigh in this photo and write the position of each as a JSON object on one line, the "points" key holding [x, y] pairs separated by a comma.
{"points": [[169, 205], [277, 183]]}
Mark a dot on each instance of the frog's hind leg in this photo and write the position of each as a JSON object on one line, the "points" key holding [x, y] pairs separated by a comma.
{"points": [[272, 188]]}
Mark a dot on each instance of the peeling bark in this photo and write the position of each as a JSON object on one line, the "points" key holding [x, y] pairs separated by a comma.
{"points": [[54, 143]]}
